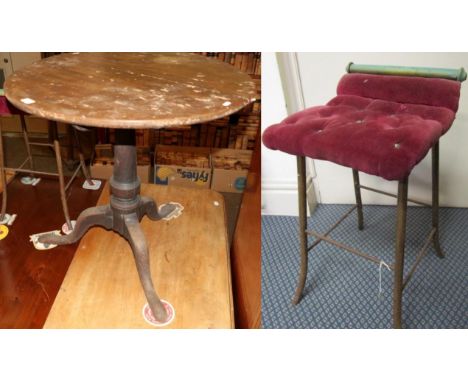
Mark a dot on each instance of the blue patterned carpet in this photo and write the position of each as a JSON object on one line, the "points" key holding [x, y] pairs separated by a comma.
{"points": [[342, 290]]}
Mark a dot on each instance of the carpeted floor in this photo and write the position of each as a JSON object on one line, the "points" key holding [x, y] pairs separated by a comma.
{"points": [[342, 290]]}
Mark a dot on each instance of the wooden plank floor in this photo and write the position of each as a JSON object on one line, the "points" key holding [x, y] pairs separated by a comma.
{"points": [[189, 264], [30, 279]]}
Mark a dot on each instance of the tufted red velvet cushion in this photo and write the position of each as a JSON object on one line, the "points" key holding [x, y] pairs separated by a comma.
{"points": [[418, 90], [381, 125]]}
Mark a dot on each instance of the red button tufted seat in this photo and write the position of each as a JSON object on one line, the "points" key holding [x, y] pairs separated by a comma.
{"points": [[379, 124]]}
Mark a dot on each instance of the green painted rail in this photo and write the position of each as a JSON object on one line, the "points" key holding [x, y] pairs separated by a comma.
{"points": [[415, 71]]}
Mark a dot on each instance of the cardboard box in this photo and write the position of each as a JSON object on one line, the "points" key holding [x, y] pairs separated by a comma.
{"points": [[170, 167], [229, 180], [104, 171], [230, 169]]}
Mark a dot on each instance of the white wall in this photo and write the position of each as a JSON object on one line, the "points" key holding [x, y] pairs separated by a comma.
{"points": [[279, 183], [320, 73]]}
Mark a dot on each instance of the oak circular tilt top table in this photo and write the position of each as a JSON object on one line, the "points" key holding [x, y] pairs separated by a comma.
{"points": [[128, 91]]}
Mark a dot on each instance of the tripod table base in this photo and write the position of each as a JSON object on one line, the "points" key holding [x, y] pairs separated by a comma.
{"points": [[189, 264]]}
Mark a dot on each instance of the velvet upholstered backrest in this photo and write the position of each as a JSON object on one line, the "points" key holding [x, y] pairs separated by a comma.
{"points": [[402, 89]]}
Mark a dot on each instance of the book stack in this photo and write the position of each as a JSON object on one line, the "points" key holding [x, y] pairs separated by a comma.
{"points": [[231, 160], [104, 155], [182, 158], [238, 131], [249, 62], [175, 136]]}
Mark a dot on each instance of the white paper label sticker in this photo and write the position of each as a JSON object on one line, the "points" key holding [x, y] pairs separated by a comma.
{"points": [[95, 186], [27, 101], [175, 213], [41, 246]]}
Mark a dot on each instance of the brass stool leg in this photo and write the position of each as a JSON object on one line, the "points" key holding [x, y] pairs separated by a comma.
{"points": [[399, 251], [357, 192], [435, 199], [24, 129], [301, 183], [2, 176], [63, 196]]}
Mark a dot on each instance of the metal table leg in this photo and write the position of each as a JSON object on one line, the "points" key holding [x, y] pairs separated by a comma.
{"points": [[301, 183], [123, 214], [85, 169], [357, 192], [63, 196], [399, 251], [435, 199], [24, 130]]}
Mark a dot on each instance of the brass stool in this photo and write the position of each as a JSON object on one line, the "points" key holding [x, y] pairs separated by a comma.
{"points": [[383, 122]]}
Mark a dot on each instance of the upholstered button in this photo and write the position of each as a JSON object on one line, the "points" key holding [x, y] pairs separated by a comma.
{"points": [[353, 123]]}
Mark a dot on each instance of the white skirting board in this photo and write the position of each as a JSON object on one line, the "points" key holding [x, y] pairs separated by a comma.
{"points": [[279, 197]]}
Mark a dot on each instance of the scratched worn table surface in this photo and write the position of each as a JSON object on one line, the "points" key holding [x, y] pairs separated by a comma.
{"points": [[130, 90]]}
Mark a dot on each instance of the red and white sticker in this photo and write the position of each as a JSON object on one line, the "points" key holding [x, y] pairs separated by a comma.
{"points": [[41, 246], [93, 185], [175, 213], [66, 230], [149, 318]]}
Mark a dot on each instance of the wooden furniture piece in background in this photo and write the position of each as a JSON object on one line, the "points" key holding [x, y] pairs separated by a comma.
{"points": [[31, 170], [127, 91], [8, 178], [189, 262], [246, 250], [30, 279]]}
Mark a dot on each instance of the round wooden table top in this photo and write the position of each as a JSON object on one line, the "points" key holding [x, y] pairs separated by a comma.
{"points": [[130, 90]]}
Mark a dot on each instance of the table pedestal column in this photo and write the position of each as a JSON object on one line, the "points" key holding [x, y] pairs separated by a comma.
{"points": [[126, 209]]}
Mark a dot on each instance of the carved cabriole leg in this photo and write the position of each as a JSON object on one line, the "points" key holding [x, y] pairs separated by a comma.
{"points": [[357, 192], [127, 206], [137, 241], [399, 251], [3, 176], [148, 207], [94, 216], [123, 214], [435, 199], [301, 182]]}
